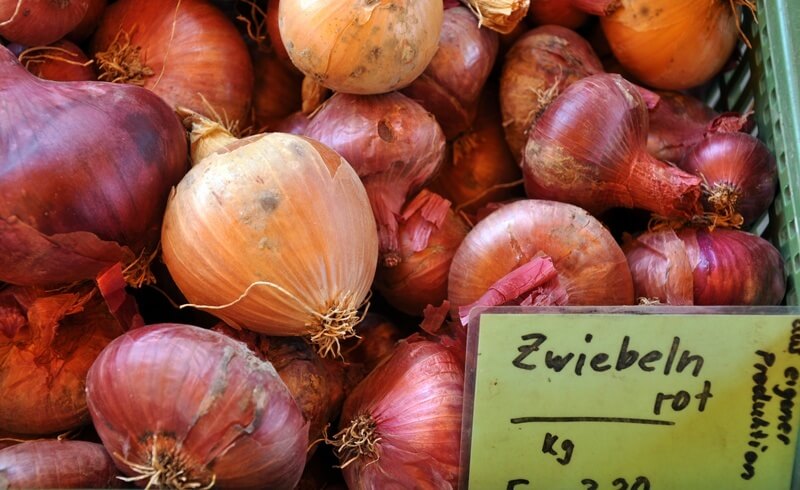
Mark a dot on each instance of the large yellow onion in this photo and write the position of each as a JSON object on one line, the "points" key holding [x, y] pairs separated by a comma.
{"points": [[361, 47], [274, 233]]}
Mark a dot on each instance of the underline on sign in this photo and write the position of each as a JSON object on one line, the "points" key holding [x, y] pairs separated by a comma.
{"points": [[620, 420]]}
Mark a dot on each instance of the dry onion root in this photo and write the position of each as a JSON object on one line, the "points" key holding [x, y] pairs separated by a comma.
{"points": [[273, 233]]}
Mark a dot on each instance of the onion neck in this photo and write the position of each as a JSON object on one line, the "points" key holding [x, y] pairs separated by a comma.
{"points": [[597, 7], [499, 15], [205, 136], [663, 189]]}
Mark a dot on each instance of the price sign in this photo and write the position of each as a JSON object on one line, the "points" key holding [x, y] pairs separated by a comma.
{"points": [[638, 398]]}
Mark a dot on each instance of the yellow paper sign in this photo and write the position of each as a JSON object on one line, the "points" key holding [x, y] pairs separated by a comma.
{"points": [[645, 399]]}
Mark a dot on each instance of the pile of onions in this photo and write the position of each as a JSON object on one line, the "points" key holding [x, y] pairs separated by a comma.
{"points": [[394, 144], [699, 267], [430, 232], [739, 175], [47, 344], [568, 13], [401, 426], [680, 121], [57, 464], [673, 44], [589, 148], [539, 66], [451, 84], [85, 170], [276, 93], [186, 51], [36, 22], [273, 233], [367, 47], [183, 407], [61, 61], [539, 252]]}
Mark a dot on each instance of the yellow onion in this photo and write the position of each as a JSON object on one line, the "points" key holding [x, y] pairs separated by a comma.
{"points": [[273, 233], [364, 47]]}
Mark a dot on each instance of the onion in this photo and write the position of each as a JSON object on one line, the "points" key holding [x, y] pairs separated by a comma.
{"points": [[37, 22], [394, 145], [183, 407], [697, 267], [88, 24], [568, 13], [401, 427], [85, 170], [276, 94], [680, 121], [361, 48], [61, 61], [430, 233], [452, 83], [57, 464], [295, 123], [502, 16], [566, 257], [589, 149], [377, 338], [674, 44], [480, 168], [47, 344], [186, 51], [274, 33], [273, 233], [539, 66]]}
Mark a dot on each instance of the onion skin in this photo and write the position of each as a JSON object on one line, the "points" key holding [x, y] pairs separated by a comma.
{"points": [[38, 22], [276, 93], [589, 149], [361, 48], [88, 24], [61, 61], [393, 144], [87, 143], [378, 337], [195, 55], [737, 164], [57, 464], [451, 85], [556, 12], [537, 68], [697, 267], [414, 399], [589, 263], [295, 123], [204, 400], [672, 44]]}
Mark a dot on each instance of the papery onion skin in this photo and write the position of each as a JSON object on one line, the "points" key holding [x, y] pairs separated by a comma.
{"points": [[37, 22], [672, 44], [538, 67], [737, 164], [361, 48], [57, 464], [206, 403], [697, 267], [451, 85], [590, 264], [193, 55], [290, 243], [502, 16], [86, 143], [393, 144], [589, 149], [414, 399], [62, 61]]}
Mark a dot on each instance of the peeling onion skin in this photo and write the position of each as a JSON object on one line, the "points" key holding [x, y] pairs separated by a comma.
{"points": [[57, 464], [698, 267], [590, 264], [202, 398], [38, 22]]}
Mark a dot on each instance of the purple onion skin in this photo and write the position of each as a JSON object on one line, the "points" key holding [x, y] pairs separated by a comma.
{"points": [[57, 464]]}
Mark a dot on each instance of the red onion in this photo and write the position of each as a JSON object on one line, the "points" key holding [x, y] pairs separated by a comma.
{"points": [[57, 464], [739, 175], [186, 51], [697, 267], [573, 259], [88, 24], [180, 406], [539, 66], [451, 84], [295, 123], [85, 171], [38, 22], [430, 232], [568, 13], [276, 94], [588, 149], [61, 61], [401, 427], [393, 144], [47, 344]]}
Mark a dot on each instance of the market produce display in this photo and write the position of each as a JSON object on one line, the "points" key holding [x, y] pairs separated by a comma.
{"points": [[241, 240]]}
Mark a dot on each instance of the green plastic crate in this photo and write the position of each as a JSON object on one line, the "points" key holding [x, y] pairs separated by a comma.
{"points": [[769, 83]]}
